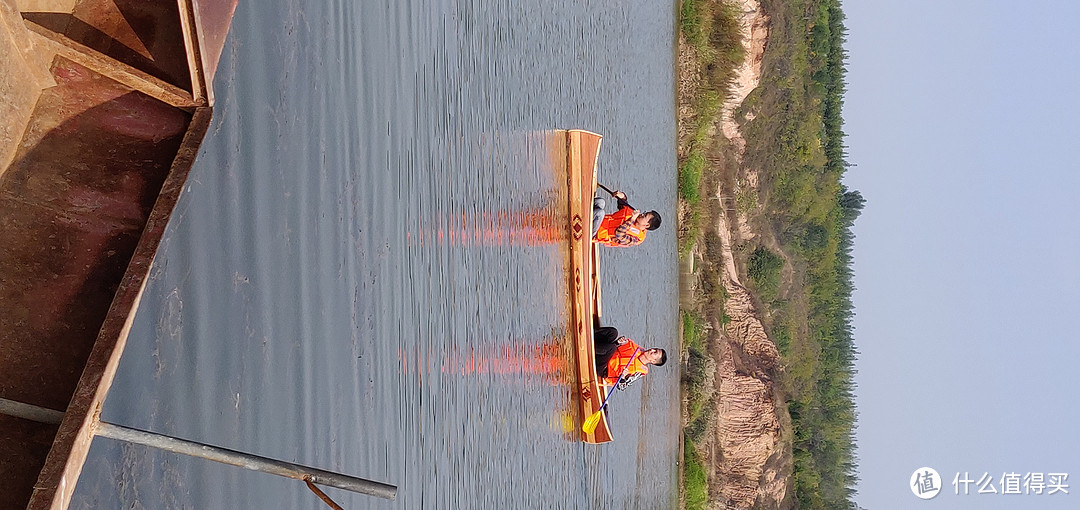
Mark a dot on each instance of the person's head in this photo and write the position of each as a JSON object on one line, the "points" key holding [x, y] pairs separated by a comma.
{"points": [[654, 356], [649, 220]]}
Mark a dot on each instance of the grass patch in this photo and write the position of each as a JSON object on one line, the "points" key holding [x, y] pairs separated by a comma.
{"points": [[692, 171], [689, 231], [711, 28], [746, 200], [690, 177], [691, 21], [693, 375], [693, 327], [695, 484]]}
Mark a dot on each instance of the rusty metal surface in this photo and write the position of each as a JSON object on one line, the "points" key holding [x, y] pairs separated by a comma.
{"points": [[99, 132], [73, 205], [64, 463], [144, 35], [21, 81], [23, 446], [115, 70], [213, 18]]}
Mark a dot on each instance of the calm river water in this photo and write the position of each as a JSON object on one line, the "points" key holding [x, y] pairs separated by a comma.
{"points": [[358, 276]]}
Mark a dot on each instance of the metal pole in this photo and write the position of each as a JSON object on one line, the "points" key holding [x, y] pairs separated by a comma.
{"points": [[247, 461], [30, 412], [203, 451]]}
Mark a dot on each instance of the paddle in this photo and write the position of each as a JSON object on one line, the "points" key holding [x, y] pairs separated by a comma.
{"points": [[601, 186], [592, 421]]}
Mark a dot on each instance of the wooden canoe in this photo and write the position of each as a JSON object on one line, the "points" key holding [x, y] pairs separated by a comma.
{"points": [[583, 147]]}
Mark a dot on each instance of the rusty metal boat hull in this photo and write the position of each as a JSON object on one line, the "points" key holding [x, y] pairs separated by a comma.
{"points": [[104, 107]]}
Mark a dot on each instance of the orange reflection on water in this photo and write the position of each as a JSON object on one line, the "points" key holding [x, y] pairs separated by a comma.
{"points": [[546, 362], [522, 228]]}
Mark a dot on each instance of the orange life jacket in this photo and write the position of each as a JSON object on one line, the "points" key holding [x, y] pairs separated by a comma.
{"points": [[606, 234], [621, 358]]}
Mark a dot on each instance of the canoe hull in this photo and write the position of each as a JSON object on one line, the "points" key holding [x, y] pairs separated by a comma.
{"points": [[583, 148]]}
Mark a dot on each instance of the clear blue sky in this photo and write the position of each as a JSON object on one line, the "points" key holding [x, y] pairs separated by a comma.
{"points": [[963, 118]]}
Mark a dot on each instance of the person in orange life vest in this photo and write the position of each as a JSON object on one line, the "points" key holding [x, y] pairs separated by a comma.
{"points": [[624, 227], [614, 353]]}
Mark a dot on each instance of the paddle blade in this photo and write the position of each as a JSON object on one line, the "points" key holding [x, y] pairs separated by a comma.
{"points": [[591, 422]]}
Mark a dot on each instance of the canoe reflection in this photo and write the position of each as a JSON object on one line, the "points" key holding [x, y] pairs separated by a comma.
{"points": [[545, 362], [521, 228]]}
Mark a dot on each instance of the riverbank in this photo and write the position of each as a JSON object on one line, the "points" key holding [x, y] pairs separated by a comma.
{"points": [[766, 229], [734, 416]]}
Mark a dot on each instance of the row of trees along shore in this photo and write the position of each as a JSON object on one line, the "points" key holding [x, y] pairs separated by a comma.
{"points": [[795, 139]]}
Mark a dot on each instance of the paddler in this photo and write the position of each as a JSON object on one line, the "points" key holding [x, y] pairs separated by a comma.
{"points": [[615, 353], [625, 227]]}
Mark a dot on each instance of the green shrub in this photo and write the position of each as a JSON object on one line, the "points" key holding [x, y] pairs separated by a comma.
{"points": [[695, 430], [764, 268]]}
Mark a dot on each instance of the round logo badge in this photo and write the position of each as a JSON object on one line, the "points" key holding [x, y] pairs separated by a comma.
{"points": [[925, 483]]}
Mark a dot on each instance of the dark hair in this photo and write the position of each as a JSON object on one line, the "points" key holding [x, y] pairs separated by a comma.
{"points": [[663, 358], [654, 223]]}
